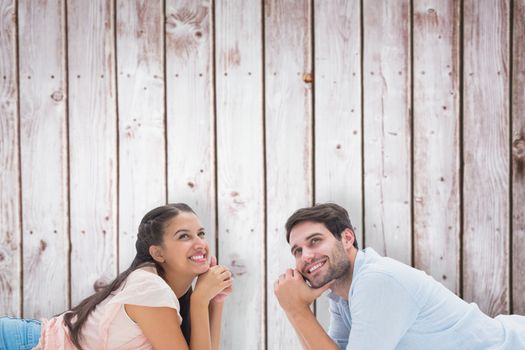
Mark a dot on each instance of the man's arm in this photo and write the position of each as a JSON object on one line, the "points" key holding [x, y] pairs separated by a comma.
{"points": [[295, 297]]}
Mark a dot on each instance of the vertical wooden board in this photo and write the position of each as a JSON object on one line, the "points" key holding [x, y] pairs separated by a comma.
{"points": [[140, 81], [240, 168], [43, 140], [338, 132], [10, 252], [190, 114], [288, 107], [93, 142], [518, 159], [436, 140], [486, 155], [387, 162]]}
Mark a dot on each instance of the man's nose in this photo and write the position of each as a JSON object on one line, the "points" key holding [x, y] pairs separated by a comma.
{"points": [[307, 255]]}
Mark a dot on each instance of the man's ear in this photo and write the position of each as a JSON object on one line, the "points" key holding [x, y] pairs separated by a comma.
{"points": [[348, 238], [156, 253]]}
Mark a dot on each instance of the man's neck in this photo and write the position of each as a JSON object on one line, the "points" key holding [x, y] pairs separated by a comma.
{"points": [[341, 286]]}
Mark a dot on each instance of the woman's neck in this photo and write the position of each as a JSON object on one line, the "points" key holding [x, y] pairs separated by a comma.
{"points": [[178, 283]]}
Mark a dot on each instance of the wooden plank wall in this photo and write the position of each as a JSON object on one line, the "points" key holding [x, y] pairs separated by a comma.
{"points": [[408, 113]]}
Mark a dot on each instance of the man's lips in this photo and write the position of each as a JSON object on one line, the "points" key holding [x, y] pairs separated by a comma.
{"points": [[314, 266]]}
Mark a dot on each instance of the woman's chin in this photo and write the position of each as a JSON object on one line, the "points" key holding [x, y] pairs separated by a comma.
{"points": [[202, 269]]}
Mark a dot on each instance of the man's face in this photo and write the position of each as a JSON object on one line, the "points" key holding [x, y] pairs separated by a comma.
{"points": [[319, 256]]}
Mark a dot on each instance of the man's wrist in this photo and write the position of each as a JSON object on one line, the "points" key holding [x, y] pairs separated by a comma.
{"points": [[298, 312]]}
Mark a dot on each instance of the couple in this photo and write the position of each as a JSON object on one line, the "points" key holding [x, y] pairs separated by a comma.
{"points": [[376, 302]]}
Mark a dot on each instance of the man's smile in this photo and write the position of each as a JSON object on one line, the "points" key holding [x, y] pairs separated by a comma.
{"points": [[315, 265]]}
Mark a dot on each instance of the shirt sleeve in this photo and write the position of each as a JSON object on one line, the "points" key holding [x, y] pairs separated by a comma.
{"points": [[382, 311], [147, 289], [338, 330]]}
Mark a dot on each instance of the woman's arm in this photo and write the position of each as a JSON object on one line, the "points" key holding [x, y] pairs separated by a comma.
{"points": [[160, 325], [210, 290], [215, 324], [216, 306], [200, 324]]}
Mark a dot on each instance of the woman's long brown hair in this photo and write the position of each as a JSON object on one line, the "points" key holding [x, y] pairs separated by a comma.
{"points": [[150, 232]]}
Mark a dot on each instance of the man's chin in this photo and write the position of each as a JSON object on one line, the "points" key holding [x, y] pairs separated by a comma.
{"points": [[317, 284]]}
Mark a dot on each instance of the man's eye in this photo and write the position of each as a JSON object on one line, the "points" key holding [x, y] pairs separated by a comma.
{"points": [[297, 252], [315, 240]]}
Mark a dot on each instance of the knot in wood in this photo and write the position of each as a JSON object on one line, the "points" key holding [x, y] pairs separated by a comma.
{"points": [[57, 96], [308, 77], [238, 267], [518, 148], [100, 284]]}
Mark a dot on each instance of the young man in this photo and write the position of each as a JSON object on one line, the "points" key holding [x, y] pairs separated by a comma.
{"points": [[376, 302]]}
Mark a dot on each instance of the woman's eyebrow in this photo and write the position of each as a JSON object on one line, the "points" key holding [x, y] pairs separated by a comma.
{"points": [[181, 230]]}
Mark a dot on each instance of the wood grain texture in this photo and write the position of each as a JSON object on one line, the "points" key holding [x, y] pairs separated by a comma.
{"points": [[93, 145], [140, 81], [10, 229], [436, 140], [486, 155], [190, 113], [240, 168], [386, 78], [518, 159], [289, 182], [43, 140], [338, 132]]}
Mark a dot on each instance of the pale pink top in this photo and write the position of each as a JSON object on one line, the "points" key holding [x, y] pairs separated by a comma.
{"points": [[109, 326]]}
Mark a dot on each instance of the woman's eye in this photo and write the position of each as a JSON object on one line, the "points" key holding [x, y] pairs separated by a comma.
{"points": [[183, 236], [202, 234]]}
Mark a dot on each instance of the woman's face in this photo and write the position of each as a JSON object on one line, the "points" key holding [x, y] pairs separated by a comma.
{"points": [[185, 248]]}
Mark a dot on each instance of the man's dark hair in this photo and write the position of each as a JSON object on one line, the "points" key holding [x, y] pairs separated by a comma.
{"points": [[333, 216]]}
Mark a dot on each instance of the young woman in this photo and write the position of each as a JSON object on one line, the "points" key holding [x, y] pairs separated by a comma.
{"points": [[151, 304]]}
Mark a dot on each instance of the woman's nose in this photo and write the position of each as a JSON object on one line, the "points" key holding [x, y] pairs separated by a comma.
{"points": [[201, 242]]}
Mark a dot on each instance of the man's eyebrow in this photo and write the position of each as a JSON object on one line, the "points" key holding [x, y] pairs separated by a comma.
{"points": [[306, 239]]}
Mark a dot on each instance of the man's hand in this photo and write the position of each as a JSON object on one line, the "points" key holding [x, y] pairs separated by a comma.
{"points": [[294, 294]]}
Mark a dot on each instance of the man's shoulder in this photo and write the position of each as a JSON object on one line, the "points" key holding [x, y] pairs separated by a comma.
{"points": [[373, 262], [376, 266]]}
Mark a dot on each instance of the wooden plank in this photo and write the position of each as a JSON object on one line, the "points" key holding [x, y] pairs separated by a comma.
{"points": [[190, 114], [386, 78], [10, 235], [142, 161], [93, 142], [288, 91], [43, 140], [486, 155], [240, 177], [338, 132], [518, 159], [436, 140]]}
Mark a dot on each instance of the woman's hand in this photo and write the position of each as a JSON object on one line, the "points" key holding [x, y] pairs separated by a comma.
{"points": [[214, 281], [219, 298]]}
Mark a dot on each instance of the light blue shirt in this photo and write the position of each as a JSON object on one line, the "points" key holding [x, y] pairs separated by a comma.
{"points": [[394, 306]]}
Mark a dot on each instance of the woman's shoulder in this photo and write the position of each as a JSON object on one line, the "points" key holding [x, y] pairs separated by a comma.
{"points": [[145, 287], [145, 273]]}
